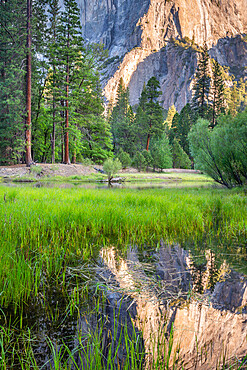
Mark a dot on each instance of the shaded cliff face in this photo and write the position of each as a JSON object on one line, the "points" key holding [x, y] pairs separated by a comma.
{"points": [[136, 34], [113, 23]]}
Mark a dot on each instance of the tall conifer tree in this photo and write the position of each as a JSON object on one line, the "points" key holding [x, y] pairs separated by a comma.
{"points": [[122, 122], [12, 71], [218, 91], [201, 88], [53, 81], [153, 110], [70, 48]]}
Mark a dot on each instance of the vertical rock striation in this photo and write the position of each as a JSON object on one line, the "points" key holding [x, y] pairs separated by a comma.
{"points": [[137, 32]]}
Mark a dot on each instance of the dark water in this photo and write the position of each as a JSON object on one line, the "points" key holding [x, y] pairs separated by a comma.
{"points": [[144, 283], [189, 281], [170, 183]]}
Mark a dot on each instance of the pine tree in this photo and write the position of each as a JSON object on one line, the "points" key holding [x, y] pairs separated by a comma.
{"points": [[161, 153], [181, 125], [70, 49], [179, 158], [171, 113], [53, 89], [122, 122], [28, 155], [141, 128], [39, 72], [151, 111], [89, 115], [201, 89], [12, 71], [218, 91]]}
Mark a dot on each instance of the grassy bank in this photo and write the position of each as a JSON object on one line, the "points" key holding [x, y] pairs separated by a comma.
{"points": [[81, 174]]}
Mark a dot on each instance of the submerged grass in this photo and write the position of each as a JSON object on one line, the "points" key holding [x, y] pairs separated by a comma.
{"points": [[44, 230], [45, 233]]}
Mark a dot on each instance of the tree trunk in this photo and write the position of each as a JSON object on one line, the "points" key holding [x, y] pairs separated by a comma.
{"points": [[214, 112], [53, 131], [66, 158], [74, 154], [28, 86], [74, 158], [148, 140]]}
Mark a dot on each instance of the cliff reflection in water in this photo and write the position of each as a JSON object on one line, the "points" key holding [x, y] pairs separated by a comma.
{"points": [[201, 306]]}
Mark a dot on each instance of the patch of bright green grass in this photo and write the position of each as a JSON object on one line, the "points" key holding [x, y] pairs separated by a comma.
{"points": [[43, 230]]}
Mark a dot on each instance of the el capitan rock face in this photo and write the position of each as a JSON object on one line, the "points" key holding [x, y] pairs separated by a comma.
{"points": [[137, 34]]}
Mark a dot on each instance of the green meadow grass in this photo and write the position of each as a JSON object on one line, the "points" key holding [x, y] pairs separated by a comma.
{"points": [[46, 231], [43, 230]]}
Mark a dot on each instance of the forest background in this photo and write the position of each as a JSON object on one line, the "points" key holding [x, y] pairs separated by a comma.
{"points": [[52, 108]]}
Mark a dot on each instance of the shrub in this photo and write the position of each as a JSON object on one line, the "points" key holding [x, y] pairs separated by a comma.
{"points": [[124, 158], [180, 159], [111, 167], [139, 161], [36, 170], [161, 153], [221, 152], [148, 159]]}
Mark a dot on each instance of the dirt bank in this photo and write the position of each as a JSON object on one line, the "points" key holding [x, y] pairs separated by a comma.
{"points": [[48, 170], [64, 170]]}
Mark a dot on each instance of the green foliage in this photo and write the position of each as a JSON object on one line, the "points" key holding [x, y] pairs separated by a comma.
{"points": [[124, 158], [180, 159], [111, 167], [148, 159], [181, 125], [236, 97], [153, 125], [171, 113], [161, 153], [139, 161], [12, 72], [141, 128], [221, 152], [201, 89], [150, 115], [65, 79], [122, 122], [36, 170], [86, 161], [218, 92]]}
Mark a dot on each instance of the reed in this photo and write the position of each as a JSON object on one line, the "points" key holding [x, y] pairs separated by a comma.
{"points": [[45, 230], [45, 234]]}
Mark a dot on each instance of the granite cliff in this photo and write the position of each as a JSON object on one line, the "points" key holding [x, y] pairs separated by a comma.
{"points": [[139, 37]]}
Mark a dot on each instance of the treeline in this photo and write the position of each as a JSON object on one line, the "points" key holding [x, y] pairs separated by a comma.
{"points": [[52, 109], [154, 138], [49, 86]]}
